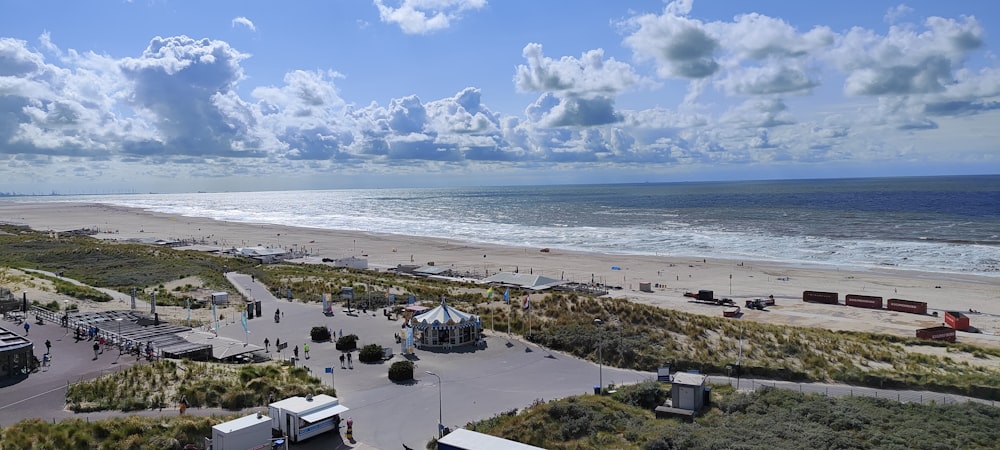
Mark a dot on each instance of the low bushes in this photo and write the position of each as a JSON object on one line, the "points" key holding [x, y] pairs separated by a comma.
{"points": [[320, 334], [401, 371], [370, 353], [347, 343]]}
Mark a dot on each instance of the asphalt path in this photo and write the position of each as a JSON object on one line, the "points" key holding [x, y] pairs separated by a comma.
{"points": [[43, 393], [476, 383]]}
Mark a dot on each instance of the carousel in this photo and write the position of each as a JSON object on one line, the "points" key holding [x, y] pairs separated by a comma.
{"points": [[445, 326]]}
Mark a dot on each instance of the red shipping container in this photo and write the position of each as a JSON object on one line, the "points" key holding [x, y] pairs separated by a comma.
{"points": [[937, 333], [863, 301], [956, 320], [907, 306], [820, 297]]}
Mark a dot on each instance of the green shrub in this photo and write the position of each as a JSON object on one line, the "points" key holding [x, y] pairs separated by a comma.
{"points": [[401, 371], [347, 343], [320, 334], [370, 353]]}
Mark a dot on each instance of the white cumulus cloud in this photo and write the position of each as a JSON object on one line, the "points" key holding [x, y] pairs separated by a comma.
{"points": [[425, 16]]}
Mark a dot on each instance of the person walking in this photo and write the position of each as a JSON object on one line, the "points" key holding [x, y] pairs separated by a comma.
{"points": [[305, 348], [48, 346], [350, 364], [27, 326], [97, 347], [342, 361], [295, 351], [267, 346]]}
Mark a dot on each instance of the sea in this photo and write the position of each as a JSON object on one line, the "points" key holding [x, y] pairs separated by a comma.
{"points": [[946, 224]]}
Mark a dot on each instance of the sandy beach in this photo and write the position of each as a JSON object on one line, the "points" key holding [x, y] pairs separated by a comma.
{"points": [[670, 277]]}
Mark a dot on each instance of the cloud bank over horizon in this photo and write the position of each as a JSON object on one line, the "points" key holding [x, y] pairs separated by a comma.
{"points": [[187, 106]]}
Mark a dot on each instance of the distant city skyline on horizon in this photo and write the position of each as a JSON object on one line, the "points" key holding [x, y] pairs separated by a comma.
{"points": [[231, 96]]}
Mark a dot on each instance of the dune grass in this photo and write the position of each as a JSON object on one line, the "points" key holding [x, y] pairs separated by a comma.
{"points": [[768, 418], [163, 383]]}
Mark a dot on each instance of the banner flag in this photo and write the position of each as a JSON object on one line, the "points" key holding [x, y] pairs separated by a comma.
{"points": [[527, 302], [489, 294], [215, 317], [506, 296], [411, 300], [243, 320]]}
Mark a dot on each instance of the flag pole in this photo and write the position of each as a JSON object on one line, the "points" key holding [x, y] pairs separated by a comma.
{"points": [[506, 299]]}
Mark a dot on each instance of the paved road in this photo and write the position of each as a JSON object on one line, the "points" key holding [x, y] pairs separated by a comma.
{"points": [[43, 394], [845, 390], [475, 384]]}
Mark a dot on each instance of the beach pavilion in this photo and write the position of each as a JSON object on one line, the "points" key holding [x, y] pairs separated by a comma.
{"points": [[445, 327], [526, 281]]}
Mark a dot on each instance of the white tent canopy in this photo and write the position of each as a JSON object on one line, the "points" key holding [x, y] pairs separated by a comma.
{"points": [[523, 280], [444, 314]]}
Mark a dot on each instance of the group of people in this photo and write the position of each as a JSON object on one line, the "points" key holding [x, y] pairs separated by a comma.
{"points": [[92, 332]]}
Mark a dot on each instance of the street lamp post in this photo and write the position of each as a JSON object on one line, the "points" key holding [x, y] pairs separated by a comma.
{"points": [[119, 320], [600, 357], [440, 421]]}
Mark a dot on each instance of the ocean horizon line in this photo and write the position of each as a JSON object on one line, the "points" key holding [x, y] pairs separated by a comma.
{"points": [[132, 191]]}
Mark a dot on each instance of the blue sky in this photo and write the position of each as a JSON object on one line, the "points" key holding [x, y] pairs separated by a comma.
{"points": [[168, 96]]}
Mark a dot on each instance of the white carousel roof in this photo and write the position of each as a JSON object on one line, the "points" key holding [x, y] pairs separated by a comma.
{"points": [[444, 314]]}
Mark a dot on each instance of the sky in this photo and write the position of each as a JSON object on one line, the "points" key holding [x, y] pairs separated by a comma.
{"points": [[184, 96]]}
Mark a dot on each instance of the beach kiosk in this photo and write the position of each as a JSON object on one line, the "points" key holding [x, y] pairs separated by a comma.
{"points": [[251, 432], [301, 418]]}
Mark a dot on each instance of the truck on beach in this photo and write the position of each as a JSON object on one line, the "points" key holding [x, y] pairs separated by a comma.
{"points": [[708, 296]]}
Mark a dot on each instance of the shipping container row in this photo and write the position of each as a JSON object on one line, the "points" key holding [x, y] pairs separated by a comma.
{"points": [[866, 301], [956, 320], [907, 306], [863, 301], [829, 298], [941, 333]]}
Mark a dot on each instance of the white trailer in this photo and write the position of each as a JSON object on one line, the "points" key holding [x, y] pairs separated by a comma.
{"points": [[251, 432], [300, 418]]}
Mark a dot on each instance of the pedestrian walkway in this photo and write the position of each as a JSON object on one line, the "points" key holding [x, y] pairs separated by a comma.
{"points": [[844, 390], [476, 383]]}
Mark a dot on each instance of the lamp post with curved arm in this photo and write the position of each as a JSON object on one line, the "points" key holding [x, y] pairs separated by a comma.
{"points": [[600, 357], [440, 421]]}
